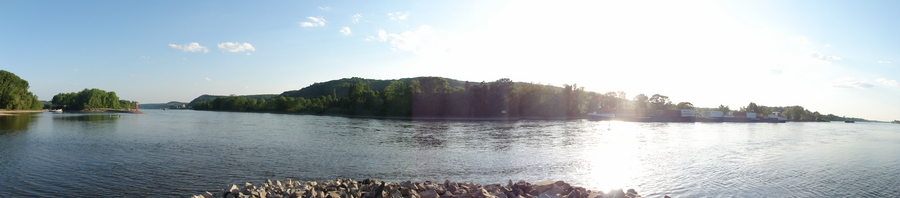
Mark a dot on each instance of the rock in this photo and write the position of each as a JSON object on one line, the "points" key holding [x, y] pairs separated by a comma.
{"points": [[544, 186], [348, 188], [574, 194], [632, 194], [429, 194], [233, 190], [395, 193], [207, 194], [617, 193], [376, 192], [452, 187]]}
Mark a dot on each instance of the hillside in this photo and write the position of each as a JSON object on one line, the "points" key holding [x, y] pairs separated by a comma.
{"points": [[341, 87], [207, 98], [171, 105]]}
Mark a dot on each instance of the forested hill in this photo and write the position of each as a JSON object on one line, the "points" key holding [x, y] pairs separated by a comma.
{"points": [[437, 97], [341, 87], [207, 98]]}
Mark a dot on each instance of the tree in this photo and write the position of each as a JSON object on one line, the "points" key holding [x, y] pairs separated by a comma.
{"points": [[14, 94], [684, 105], [91, 99], [660, 102], [641, 101], [610, 101], [752, 107], [723, 109]]}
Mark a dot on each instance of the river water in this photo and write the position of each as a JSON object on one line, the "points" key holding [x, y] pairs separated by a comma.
{"points": [[179, 153]]}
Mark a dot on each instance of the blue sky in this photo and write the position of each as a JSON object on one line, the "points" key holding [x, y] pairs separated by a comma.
{"points": [[835, 57]]}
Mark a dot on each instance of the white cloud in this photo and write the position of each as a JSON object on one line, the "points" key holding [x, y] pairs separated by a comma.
{"points": [[382, 35], [821, 57], [412, 40], [776, 71], [236, 47], [885, 62], [190, 47], [398, 15], [849, 82], [315, 22], [326, 8], [892, 83], [346, 31], [827, 45], [356, 18], [422, 41], [207, 79], [802, 40]]}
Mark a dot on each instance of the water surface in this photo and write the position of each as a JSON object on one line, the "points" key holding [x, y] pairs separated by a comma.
{"points": [[182, 152]]}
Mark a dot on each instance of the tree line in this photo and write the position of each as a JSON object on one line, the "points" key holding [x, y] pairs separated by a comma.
{"points": [[91, 99], [14, 94], [435, 97]]}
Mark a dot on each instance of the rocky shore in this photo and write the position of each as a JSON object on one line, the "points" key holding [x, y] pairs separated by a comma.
{"points": [[348, 188]]}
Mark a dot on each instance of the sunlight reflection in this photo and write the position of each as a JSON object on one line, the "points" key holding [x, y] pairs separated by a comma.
{"points": [[613, 158]]}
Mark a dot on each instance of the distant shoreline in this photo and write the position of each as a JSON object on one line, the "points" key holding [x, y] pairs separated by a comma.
{"points": [[14, 112]]}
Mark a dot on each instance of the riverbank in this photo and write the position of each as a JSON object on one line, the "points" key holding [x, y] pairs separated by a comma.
{"points": [[108, 111], [348, 188], [14, 112]]}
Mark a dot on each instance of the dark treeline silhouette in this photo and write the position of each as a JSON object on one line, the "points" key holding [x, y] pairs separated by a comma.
{"points": [[436, 97], [424, 97]]}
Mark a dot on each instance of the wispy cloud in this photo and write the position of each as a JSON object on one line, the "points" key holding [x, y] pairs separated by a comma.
{"points": [[802, 40], [346, 31], [398, 15], [356, 17], [892, 83], [848, 83], [190, 47], [885, 62], [236, 47], [326, 8], [207, 79], [382, 36], [315, 22], [821, 57]]}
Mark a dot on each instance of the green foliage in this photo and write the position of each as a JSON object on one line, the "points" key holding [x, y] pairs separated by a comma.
{"points": [[660, 102], [208, 98], [92, 99], [425, 97], [723, 109], [14, 94], [436, 97], [641, 101], [684, 105]]}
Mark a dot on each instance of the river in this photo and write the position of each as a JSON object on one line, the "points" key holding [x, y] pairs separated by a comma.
{"points": [[178, 153]]}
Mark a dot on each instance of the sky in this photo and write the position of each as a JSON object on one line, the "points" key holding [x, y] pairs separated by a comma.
{"points": [[837, 57]]}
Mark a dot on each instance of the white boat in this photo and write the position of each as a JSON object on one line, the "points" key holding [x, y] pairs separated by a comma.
{"points": [[56, 110]]}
